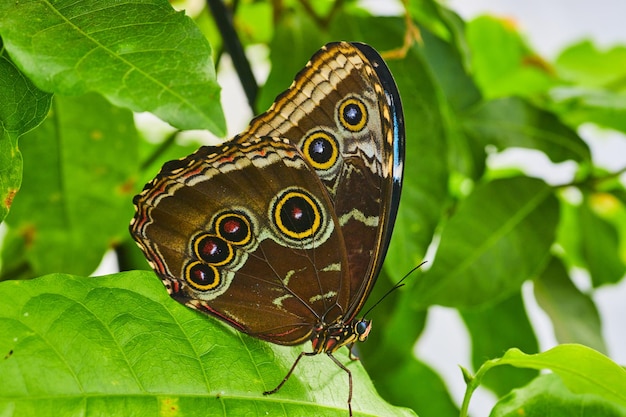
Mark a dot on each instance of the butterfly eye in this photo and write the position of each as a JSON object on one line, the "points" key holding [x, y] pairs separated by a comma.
{"points": [[321, 150], [362, 329], [213, 250], [202, 277], [234, 228], [296, 214], [352, 114]]}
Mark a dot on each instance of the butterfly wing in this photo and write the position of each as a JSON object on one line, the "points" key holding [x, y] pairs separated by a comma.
{"points": [[343, 112], [245, 232]]}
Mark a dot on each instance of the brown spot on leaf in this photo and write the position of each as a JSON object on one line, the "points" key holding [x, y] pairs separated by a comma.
{"points": [[29, 233], [9, 198], [96, 134], [128, 186], [537, 62]]}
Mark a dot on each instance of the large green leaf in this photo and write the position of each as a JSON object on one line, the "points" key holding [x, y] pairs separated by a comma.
{"points": [[513, 122], [495, 328], [389, 355], [458, 92], [573, 314], [139, 54], [547, 392], [23, 106], [599, 246], [439, 20], [447, 68], [409, 382], [502, 63], [582, 369], [120, 346], [78, 182], [586, 65], [580, 105], [596, 91], [499, 237]]}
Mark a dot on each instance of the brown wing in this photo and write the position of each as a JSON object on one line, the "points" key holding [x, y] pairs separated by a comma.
{"points": [[344, 113], [247, 233]]}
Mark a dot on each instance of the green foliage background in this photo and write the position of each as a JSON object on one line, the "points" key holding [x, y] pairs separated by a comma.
{"points": [[72, 157]]}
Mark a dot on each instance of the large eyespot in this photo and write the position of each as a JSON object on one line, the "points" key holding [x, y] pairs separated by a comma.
{"points": [[234, 228], [202, 277], [296, 214], [352, 114], [213, 250], [321, 150]]}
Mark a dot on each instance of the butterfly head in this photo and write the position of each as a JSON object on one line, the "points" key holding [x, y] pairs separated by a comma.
{"points": [[362, 329], [329, 338]]}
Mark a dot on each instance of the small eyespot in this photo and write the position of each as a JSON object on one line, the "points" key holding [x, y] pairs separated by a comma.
{"points": [[234, 228], [352, 114], [296, 214], [321, 150], [202, 277], [213, 250]]}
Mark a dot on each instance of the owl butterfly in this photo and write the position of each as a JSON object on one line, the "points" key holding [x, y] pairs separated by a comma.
{"points": [[281, 231]]}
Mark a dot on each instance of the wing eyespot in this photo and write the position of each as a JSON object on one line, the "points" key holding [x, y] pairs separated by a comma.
{"points": [[201, 276], [352, 114], [233, 227], [296, 214], [321, 150]]}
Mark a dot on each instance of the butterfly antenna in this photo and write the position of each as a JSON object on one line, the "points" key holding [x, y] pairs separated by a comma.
{"points": [[399, 284]]}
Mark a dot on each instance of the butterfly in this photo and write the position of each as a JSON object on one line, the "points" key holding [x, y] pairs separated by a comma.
{"points": [[281, 231]]}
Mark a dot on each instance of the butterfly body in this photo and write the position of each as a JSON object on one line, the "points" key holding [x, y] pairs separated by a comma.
{"points": [[281, 231]]}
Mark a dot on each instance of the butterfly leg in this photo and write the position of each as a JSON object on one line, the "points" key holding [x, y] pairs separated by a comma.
{"points": [[279, 386], [351, 354], [342, 366]]}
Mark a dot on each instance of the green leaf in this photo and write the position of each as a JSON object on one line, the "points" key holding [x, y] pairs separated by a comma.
{"points": [[597, 93], [503, 65], [513, 122], [548, 396], [568, 233], [573, 314], [254, 22], [138, 54], [585, 65], [120, 346], [599, 246], [439, 20], [484, 323], [447, 68], [388, 355], [499, 237], [398, 323], [578, 105], [22, 108], [582, 369], [458, 92], [411, 383], [78, 182], [295, 40]]}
